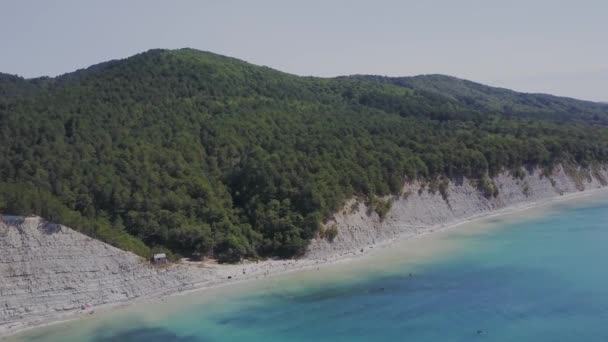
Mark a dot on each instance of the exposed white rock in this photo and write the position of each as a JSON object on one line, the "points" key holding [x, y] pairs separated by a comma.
{"points": [[419, 211], [48, 272], [47, 268]]}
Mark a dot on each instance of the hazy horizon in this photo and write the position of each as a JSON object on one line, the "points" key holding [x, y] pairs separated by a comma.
{"points": [[545, 47]]}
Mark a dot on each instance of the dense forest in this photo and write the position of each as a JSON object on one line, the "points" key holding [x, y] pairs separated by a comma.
{"points": [[196, 153]]}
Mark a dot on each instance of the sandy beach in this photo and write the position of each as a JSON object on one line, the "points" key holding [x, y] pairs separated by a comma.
{"points": [[217, 275]]}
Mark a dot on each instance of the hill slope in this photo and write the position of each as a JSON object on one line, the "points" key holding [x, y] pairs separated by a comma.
{"points": [[193, 152], [505, 101]]}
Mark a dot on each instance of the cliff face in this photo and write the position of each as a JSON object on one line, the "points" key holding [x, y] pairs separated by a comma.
{"points": [[419, 210], [47, 269]]}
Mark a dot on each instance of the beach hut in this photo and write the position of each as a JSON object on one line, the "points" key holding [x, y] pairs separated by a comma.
{"points": [[159, 259]]}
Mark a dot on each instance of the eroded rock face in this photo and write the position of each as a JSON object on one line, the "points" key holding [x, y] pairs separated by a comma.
{"points": [[417, 211], [47, 268]]}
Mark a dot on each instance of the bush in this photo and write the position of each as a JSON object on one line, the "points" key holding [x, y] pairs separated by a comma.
{"points": [[487, 187], [331, 232], [382, 207]]}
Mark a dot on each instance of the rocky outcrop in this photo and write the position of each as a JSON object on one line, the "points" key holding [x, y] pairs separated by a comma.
{"points": [[419, 209], [47, 269]]}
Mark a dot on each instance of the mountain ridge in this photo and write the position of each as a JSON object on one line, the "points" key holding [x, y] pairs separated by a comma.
{"points": [[415, 82], [499, 99], [194, 153], [100, 65]]}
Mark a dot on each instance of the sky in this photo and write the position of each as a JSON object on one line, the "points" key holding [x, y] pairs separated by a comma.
{"points": [[549, 46]]}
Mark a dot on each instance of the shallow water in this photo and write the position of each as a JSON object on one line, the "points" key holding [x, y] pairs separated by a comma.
{"points": [[533, 277]]}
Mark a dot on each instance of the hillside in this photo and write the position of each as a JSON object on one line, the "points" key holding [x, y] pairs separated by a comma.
{"points": [[193, 152], [500, 100]]}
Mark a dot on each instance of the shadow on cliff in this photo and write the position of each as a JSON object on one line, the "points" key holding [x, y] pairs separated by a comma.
{"points": [[11, 220], [49, 228], [18, 222]]}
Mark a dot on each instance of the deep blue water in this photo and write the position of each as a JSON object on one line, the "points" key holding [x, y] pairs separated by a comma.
{"points": [[537, 279]]}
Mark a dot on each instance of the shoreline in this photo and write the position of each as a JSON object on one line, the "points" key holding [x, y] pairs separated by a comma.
{"points": [[231, 275]]}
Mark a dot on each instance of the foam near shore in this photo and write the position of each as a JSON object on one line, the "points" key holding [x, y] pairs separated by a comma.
{"points": [[49, 272]]}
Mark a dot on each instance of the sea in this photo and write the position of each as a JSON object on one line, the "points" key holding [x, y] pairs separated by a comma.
{"points": [[536, 275]]}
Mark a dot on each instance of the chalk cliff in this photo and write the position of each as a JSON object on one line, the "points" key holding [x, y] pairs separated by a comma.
{"points": [[418, 209], [47, 269]]}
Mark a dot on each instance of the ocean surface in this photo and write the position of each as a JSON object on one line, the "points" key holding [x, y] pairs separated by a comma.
{"points": [[532, 276]]}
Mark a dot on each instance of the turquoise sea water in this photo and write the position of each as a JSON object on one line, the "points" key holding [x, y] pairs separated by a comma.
{"points": [[541, 277]]}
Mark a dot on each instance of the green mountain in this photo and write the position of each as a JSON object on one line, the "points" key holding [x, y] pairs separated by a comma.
{"points": [[504, 101], [193, 152]]}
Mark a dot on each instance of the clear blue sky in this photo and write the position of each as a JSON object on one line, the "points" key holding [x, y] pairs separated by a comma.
{"points": [[552, 46]]}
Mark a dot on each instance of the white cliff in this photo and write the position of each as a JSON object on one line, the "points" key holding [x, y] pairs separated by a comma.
{"points": [[419, 210], [47, 269]]}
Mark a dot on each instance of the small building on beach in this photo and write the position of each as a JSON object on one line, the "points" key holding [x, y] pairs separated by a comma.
{"points": [[159, 259]]}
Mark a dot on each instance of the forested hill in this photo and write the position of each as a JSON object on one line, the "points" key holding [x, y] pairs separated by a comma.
{"points": [[14, 86], [505, 101], [193, 152]]}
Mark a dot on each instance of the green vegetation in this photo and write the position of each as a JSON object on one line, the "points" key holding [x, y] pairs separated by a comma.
{"points": [[197, 153], [329, 233], [491, 99], [382, 207], [488, 188]]}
